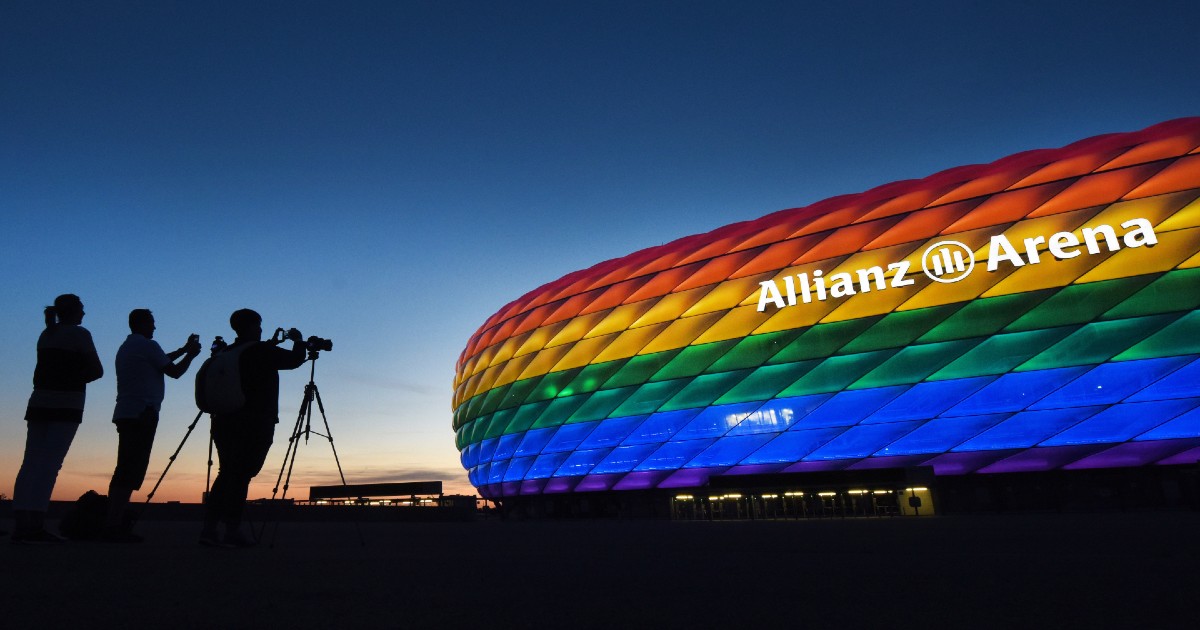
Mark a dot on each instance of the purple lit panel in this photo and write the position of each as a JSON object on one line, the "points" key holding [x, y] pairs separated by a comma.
{"points": [[642, 480], [689, 477], [532, 486], [598, 483], [1036, 459], [1132, 454], [510, 488], [900, 461], [557, 485], [965, 463], [756, 469], [487, 492], [1190, 456], [815, 466]]}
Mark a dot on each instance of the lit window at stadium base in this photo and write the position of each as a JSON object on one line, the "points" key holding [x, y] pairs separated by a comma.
{"points": [[1036, 313]]}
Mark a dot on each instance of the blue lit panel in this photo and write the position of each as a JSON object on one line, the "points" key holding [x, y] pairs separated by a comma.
{"points": [[1185, 426], [715, 421], [1111, 382], [612, 432], [862, 440], [569, 437], [942, 434], [1027, 428], [625, 458], [545, 465], [729, 450], [847, 408], [927, 400], [1122, 422], [661, 426], [508, 446], [496, 472], [582, 462], [517, 467], [791, 446], [779, 414], [1016, 391], [487, 449], [534, 441], [673, 455], [1183, 383]]}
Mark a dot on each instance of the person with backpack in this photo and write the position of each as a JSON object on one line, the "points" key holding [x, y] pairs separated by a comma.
{"points": [[141, 364], [239, 388], [66, 363]]}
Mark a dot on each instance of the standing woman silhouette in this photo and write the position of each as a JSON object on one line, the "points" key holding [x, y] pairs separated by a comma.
{"points": [[66, 363]]}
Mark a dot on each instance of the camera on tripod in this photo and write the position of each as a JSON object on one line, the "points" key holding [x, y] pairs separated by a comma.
{"points": [[314, 343]]}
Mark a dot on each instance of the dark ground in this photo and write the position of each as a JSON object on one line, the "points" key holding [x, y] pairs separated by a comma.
{"points": [[1114, 570]]}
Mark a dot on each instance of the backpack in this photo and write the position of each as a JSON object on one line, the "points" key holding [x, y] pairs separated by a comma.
{"points": [[219, 382], [84, 520]]}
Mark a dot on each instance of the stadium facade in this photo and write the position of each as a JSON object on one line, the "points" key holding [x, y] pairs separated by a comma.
{"points": [[1030, 319]]}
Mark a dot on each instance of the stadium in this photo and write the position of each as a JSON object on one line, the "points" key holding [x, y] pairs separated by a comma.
{"points": [[1022, 334]]}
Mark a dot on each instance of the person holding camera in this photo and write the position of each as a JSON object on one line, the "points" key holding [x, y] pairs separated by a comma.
{"points": [[66, 363], [243, 432], [141, 364]]}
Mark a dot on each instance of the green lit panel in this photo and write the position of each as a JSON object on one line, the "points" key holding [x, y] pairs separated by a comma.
{"points": [[649, 397], [1181, 336], [551, 385], [1177, 290], [914, 363], [593, 377], [559, 410], [836, 373], [754, 351], [704, 389], [1079, 303], [525, 416], [1002, 353], [602, 403], [493, 399], [1097, 342], [767, 381], [498, 423], [822, 340], [693, 360], [518, 392], [639, 369], [985, 316], [899, 329]]}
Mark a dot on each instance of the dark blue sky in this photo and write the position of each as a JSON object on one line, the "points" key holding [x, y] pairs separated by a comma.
{"points": [[388, 174]]}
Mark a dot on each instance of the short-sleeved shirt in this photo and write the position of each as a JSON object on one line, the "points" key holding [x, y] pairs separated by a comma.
{"points": [[140, 363], [66, 362]]}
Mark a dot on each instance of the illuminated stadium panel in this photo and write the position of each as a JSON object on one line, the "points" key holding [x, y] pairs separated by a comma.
{"points": [[910, 325]]}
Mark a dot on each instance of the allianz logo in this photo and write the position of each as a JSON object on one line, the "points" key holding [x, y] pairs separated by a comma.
{"points": [[951, 261]]}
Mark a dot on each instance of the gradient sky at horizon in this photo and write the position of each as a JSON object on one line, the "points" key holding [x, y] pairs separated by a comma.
{"points": [[388, 174]]}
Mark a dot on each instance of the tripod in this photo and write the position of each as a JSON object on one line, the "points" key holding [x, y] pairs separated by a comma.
{"points": [[303, 427], [207, 477]]}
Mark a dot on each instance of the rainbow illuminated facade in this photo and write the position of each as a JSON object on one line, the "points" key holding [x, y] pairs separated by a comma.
{"points": [[679, 362]]}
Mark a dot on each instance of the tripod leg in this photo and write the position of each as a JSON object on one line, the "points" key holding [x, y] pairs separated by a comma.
{"points": [[174, 455], [329, 436], [289, 460]]}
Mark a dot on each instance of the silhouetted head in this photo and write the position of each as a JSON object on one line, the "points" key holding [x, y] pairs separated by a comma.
{"points": [[246, 323], [141, 321], [67, 309]]}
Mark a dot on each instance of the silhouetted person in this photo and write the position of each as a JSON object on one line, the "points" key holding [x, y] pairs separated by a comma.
{"points": [[66, 363], [141, 364], [243, 437]]}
